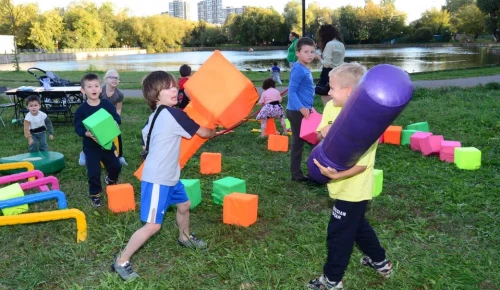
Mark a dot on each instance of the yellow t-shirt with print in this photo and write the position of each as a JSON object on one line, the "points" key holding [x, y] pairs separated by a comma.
{"points": [[355, 188], [330, 113]]}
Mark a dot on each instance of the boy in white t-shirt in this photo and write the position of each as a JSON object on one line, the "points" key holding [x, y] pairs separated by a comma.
{"points": [[35, 125]]}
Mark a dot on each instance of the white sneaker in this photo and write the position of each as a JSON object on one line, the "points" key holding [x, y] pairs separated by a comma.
{"points": [[122, 161], [82, 161]]}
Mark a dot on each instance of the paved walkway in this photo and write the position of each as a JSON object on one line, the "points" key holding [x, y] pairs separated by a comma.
{"points": [[463, 82]]}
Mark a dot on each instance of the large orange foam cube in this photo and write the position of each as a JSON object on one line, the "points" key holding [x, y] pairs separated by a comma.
{"points": [[270, 127], [220, 92], [120, 197], [277, 143], [392, 135], [240, 209], [210, 163]]}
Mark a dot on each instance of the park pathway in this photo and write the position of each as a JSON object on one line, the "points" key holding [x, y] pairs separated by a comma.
{"points": [[432, 84]]}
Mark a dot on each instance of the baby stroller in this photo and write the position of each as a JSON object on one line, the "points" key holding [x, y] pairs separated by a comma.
{"points": [[55, 80]]}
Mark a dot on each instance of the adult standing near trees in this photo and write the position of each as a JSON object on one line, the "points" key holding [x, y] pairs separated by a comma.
{"points": [[291, 57], [332, 48]]}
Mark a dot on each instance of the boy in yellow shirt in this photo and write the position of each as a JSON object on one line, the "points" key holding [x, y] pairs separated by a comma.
{"points": [[352, 189]]}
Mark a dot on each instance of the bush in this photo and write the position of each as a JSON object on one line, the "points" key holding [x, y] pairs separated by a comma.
{"points": [[423, 34]]}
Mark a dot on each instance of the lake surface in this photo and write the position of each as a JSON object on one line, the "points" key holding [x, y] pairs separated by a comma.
{"points": [[412, 59]]}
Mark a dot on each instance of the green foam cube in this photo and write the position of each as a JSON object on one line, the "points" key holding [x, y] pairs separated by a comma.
{"points": [[102, 125], [468, 158], [378, 182], [13, 191], [225, 186], [288, 126], [405, 136], [193, 190], [420, 126]]}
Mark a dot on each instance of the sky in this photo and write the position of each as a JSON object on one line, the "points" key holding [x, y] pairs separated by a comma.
{"points": [[149, 7]]}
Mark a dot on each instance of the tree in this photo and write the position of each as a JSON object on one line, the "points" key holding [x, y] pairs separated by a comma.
{"points": [[437, 20], [47, 30], [107, 18], [83, 28], [492, 9], [293, 16], [423, 34], [349, 25], [16, 23], [470, 20], [454, 5]]}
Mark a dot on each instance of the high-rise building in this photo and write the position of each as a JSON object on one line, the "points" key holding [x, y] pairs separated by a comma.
{"points": [[228, 10], [202, 11], [179, 9]]}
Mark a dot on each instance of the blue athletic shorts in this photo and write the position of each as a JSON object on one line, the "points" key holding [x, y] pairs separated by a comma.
{"points": [[156, 198]]}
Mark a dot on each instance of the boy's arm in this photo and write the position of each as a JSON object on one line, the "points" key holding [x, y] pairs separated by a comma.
{"points": [[112, 110], [334, 174], [49, 126], [78, 123], [205, 132], [27, 132], [293, 88]]}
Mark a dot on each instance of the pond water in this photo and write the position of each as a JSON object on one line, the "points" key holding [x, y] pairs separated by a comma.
{"points": [[412, 59]]}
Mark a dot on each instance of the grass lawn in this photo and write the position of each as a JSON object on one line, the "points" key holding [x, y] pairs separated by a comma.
{"points": [[132, 79], [440, 225]]}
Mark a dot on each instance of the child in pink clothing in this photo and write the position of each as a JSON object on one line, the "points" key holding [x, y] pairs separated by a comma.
{"points": [[271, 106]]}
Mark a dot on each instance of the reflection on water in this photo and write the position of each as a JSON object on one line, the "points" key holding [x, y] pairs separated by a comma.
{"points": [[413, 59]]}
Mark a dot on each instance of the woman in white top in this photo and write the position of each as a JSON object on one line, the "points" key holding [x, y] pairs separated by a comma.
{"points": [[332, 49]]}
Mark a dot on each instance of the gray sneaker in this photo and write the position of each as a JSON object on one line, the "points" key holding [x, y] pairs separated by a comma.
{"points": [[193, 243], [125, 271]]}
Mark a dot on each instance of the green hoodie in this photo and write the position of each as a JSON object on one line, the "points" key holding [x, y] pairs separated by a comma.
{"points": [[292, 57]]}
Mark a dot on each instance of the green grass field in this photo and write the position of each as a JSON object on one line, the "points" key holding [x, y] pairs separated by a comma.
{"points": [[440, 225], [133, 79]]}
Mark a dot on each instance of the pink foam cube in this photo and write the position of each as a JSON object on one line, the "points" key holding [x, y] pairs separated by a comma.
{"points": [[447, 152], [309, 126], [431, 144], [381, 139], [415, 140]]}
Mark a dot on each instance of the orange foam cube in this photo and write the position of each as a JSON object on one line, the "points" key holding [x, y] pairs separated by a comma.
{"points": [[277, 143], [392, 135], [210, 163], [240, 209], [220, 92], [270, 128], [120, 197]]}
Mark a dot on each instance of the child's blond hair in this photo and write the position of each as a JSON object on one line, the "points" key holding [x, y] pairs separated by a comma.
{"points": [[348, 74]]}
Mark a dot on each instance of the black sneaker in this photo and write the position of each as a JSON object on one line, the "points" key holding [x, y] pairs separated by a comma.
{"points": [[384, 268], [125, 271], [109, 181], [322, 283], [300, 179], [95, 200]]}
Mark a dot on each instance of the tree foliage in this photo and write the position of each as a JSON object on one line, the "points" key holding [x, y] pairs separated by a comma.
{"points": [[469, 20]]}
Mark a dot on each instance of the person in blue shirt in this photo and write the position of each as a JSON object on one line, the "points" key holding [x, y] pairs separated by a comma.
{"points": [[276, 72], [300, 101]]}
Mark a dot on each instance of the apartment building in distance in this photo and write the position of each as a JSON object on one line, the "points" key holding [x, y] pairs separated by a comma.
{"points": [[211, 11], [179, 9]]}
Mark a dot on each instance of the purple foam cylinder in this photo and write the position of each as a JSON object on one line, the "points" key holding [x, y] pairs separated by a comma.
{"points": [[376, 101]]}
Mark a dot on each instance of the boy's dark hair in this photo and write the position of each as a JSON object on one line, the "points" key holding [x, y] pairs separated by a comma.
{"points": [[154, 83], [268, 83], [304, 41], [185, 70], [33, 98], [295, 34], [89, 77], [275, 63]]}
